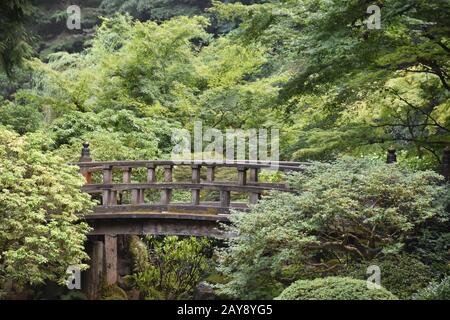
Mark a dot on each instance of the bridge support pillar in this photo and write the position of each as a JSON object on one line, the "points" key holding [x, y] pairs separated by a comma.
{"points": [[94, 274], [110, 257]]}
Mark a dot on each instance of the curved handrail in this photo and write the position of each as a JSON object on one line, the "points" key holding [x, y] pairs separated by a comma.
{"points": [[279, 165]]}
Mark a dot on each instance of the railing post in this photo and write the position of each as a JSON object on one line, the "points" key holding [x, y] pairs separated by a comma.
{"points": [[196, 179], [112, 197], [126, 175], [253, 174], [253, 177], [224, 198], [151, 173], [242, 175], [166, 194], [135, 196], [446, 164], [391, 156], [107, 179], [210, 173], [86, 157]]}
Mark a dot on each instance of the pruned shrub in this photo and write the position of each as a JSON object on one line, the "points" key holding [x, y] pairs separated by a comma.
{"points": [[438, 290], [403, 275], [334, 288]]}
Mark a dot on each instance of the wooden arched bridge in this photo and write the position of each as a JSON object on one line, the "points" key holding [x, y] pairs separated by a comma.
{"points": [[126, 209], [129, 205], [136, 198]]}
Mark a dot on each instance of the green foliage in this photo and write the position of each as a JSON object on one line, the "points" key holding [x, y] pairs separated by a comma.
{"points": [[140, 254], [155, 9], [403, 275], [175, 268], [14, 39], [113, 135], [430, 245], [352, 90], [333, 288], [113, 292], [21, 118], [41, 204], [346, 211], [439, 290]]}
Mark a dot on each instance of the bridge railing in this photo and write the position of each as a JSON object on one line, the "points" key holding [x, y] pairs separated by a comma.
{"points": [[247, 179]]}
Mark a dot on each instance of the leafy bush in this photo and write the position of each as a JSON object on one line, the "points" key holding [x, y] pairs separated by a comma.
{"points": [[333, 288], [348, 211], [435, 291], [403, 275], [430, 245], [21, 118], [40, 209], [113, 292], [174, 269]]}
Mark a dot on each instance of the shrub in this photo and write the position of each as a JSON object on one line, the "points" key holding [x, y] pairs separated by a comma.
{"points": [[344, 212], [113, 292], [21, 118], [40, 209], [435, 291], [430, 245], [333, 288], [403, 275]]}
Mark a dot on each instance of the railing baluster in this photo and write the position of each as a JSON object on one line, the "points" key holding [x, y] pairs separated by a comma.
{"points": [[196, 197], [113, 197], [126, 176], [253, 177], [166, 194], [196, 179], [151, 173], [210, 173], [224, 198], [135, 197], [142, 196], [242, 175], [107, 179]]}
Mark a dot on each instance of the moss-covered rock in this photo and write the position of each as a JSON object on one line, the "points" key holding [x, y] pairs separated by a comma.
{"points": [[113, 292]]}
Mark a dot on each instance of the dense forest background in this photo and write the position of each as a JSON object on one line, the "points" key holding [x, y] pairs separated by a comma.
{"points": [[138, 69], [310, 68]]}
